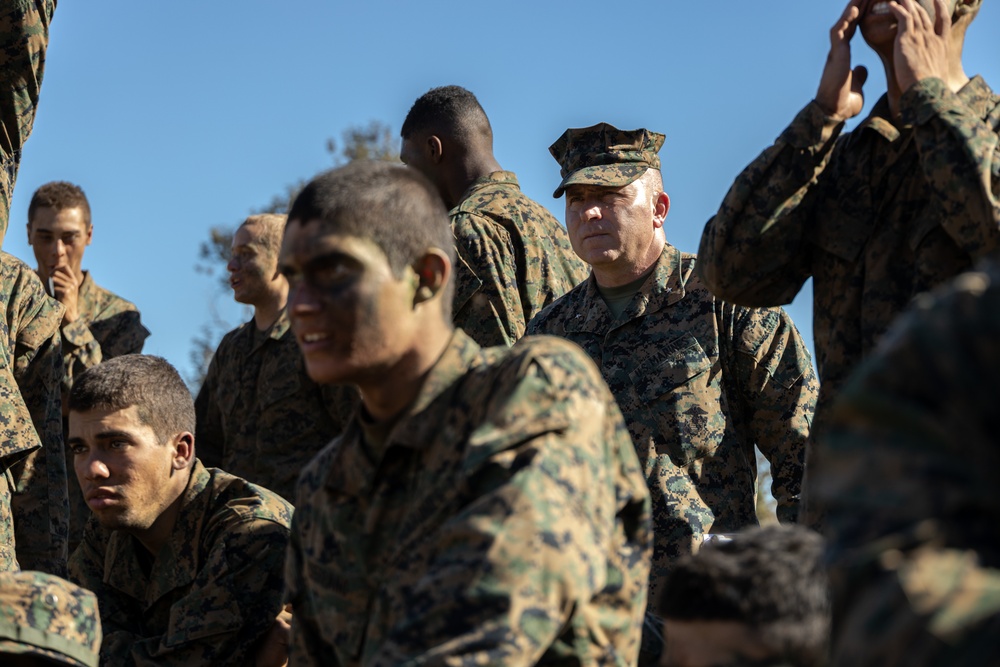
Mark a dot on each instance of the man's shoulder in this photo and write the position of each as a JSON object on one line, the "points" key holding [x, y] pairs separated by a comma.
{"points": [[501, 200], [106, 303], [32, 316], [235, 500]]}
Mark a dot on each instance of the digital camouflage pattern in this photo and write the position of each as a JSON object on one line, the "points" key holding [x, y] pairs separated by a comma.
{"points": [[41, 501], [259, 416], [875, 217], [108, 326], [699, 382], [604, 155], [24, 36], [504, 522], [907, 476], [45, 616], [210, 594], [514, 258]]}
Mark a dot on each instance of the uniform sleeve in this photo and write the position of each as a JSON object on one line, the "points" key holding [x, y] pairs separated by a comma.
{"points": [[122, 332], [24, 37], [487, 303], [219, 622], [210, 435], [778, 393], [754, 251], [41, 504], [559, 494], [960, 158]]}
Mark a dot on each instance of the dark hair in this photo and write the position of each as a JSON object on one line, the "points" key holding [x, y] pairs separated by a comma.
{"points": [[449, 110], [150, 383], [394, 207], [771, 579], [59, 195]]}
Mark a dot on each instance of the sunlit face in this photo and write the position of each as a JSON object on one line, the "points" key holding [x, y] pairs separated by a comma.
{"points": [[353, 319], [879, 26], [711, 644], [58, 238], [127, 476], [252, 266], [610, 226]]}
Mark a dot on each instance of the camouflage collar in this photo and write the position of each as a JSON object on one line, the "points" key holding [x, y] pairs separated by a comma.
{"points": [[664, 287], [177, 563], [506, 178], [351, 472]]}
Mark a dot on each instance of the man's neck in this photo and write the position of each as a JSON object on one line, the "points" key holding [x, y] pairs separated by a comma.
{"points": [[154, 537], [470, 169], [265, 314], [620, 274], [955, 79]]}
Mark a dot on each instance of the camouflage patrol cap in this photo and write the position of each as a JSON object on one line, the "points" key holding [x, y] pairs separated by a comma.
{"points": [[604, 155], [43, 615]]}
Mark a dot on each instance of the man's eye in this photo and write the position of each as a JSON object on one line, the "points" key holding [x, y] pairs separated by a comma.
{"points": [[78, 449], [118, 444], [330, 275]]}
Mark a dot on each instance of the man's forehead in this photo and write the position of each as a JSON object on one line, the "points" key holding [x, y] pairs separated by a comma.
{"points": [[304, 241]]}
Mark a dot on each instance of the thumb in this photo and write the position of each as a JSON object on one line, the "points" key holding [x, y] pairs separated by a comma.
{"points": [[858, 78]]}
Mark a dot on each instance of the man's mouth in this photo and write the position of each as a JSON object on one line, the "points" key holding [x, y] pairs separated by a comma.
{"points": [[102, 497], [313, 337], [879, 9]]}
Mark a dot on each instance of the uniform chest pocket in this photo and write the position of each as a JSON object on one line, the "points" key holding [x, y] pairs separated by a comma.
{"points": [[678, 403], [282, 375]]}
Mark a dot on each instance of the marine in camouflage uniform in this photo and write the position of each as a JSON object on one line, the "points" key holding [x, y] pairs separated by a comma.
{"points": [[48, 618], [39, 503], [260, 416], [513, 256], [699, 381], [908, 475], [484, 506], [95, 324], [906, 201], [187, 562]]}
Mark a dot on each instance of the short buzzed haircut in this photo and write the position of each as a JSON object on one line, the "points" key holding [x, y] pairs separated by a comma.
{"points": [[59, 195], [151, 384], [449, 110], [771, 579], [272, 226], [393, 207]]}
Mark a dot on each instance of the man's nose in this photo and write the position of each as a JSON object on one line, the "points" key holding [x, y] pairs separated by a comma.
{"points": [[94, 468]]}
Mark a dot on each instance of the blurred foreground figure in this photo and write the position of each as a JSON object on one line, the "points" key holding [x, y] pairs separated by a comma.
{"points": [[904, 202], [186, 561], [34, 502], [758, 600], [909, 479], [484, 506], [45, 621], [259, 415], [96, 324], [513, 255]]}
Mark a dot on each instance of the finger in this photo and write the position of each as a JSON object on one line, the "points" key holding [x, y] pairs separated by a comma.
{"points": [[921, 19], [843, 29], [903, 17], [858, 78], [942, 19]]}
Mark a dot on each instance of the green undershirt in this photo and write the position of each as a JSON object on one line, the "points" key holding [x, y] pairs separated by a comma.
{"points": [[618, 298]]}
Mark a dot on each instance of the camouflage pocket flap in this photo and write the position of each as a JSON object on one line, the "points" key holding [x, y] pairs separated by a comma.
{"points": [[204, 613], [670, 367]]}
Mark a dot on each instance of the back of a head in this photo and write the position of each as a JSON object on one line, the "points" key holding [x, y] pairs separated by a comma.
{"points": [[449, 111], [395, 208], [150, 383], [59, 195], [48, 618], [771, 579]]}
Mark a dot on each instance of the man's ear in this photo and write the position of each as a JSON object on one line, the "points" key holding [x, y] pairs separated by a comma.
{"points": [[661, 206], [90, 234], [434, 148], [183, 444], [433, 270]]}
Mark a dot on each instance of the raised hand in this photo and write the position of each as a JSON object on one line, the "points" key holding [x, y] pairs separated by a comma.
{"points": [[923, 44], [839, 93]]}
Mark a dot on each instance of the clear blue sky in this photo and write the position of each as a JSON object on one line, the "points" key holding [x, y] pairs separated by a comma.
{"points": [[177, 116]]}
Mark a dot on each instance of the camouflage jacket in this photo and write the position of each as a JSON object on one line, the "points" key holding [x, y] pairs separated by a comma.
{"points": [[24, 36], [211, 592], [700, 382], [260, 417], [875, 216], [504, 522], [108, 326], [908, 475], [514, 259], [41, 501]]}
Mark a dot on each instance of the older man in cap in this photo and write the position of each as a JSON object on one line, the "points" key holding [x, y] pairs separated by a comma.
{"points": [[45, 620], [699, 381]]}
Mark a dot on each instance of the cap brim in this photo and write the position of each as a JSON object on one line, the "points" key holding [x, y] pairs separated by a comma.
{"points": [[608, 175]]}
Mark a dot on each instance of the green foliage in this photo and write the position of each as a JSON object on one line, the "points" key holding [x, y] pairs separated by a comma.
{"points": [[374, 141]]}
